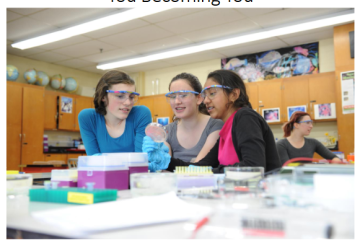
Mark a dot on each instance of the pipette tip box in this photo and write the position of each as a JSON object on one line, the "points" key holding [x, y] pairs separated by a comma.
{"points": [[72, 195]]}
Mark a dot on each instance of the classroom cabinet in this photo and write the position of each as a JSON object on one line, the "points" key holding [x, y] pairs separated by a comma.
{"points": [[25, 124], [253, 94], [62, 110], [269, 95], [158, 106]]}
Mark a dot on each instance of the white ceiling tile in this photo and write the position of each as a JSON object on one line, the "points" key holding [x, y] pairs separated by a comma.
{"points": [[146, 66], [253, 12], [201, 20], [122, 27], [308, 38], [220, 31], [108, 56], [25, 27], [297, 34], [64, 17], [159, 45], [292, 15], [84, 49], [12, 16], [170, 14], [254, 47], [75, 63], [93, 69], [195, 57], [23, 53], [48, 57], [26, 11], [65, 42], [137, 36]]}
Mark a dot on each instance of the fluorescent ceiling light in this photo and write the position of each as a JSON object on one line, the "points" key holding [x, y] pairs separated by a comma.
{"points": [[264, 34], [104, 22]]}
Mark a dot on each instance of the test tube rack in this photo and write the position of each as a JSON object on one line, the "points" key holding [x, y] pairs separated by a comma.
{"points": [[72, 195], [193, 170], [195, 177]]}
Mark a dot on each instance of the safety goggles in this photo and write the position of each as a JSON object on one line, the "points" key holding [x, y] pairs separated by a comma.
{"points": [[307, 122], [211, 91], [182, 95], [122, 96]]}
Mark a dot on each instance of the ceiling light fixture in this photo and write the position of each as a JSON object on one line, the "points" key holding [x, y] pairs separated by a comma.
{"points": [[93, 25], [264, 34]]}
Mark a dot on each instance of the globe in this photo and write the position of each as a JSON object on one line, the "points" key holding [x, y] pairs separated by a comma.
{"points": [[70, 85], [42, 79], [30, 76], [57, 81], [12, 73]]}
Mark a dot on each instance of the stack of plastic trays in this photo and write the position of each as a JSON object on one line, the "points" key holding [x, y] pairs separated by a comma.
{"points": [[65, 178], [136, 162], [195, 177], [73, 195], [107, 172]]}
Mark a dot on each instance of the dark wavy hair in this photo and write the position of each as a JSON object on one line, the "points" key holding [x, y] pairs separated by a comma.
{"points": [[194, 82], [233, 80], [296, 117], [106, 81]]}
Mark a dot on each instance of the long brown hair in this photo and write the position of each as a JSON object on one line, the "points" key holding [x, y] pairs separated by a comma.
{"points": [[296, 117]]}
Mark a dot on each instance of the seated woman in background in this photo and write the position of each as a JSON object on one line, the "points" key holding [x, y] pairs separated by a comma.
{"points": [[245, 139], [115, 125], [193, 133], [295, 144]]}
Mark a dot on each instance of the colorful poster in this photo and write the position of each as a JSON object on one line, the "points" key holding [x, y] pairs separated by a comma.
{"points": [[163, 120], [293, 109], [325, 111], [271, 114], [279, 63], [66, 104], [348, 92]]}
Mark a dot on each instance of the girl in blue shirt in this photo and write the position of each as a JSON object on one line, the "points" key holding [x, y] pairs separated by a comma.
{"points": [[115, 125]]}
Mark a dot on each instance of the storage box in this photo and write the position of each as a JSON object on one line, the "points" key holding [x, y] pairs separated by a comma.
{"points": [[136, 162], [107, 172], [65, 178]]}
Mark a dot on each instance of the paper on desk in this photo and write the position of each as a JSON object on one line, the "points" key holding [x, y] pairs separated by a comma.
{"points": [[126, 213]]}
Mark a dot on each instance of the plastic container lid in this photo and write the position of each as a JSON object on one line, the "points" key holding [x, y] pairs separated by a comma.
{"points": [[130, 159], [18, 183], [64, 175], [100, 163]]}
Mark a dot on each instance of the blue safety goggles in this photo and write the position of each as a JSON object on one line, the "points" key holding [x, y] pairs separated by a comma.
{"points": [[112, 91]]}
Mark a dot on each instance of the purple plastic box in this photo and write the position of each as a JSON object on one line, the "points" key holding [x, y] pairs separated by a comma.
{"points": [[113, 179], [66, 183]]}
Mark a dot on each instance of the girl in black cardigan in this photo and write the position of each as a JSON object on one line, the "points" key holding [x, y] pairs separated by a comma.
{"points": [[245, 139]]}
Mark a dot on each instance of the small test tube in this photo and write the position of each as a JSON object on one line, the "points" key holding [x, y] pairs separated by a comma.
{"points": [[47, 185], [54, 185], [90, 186]]}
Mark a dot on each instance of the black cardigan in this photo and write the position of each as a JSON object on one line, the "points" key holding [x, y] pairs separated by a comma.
{"points": [[253, 142]]}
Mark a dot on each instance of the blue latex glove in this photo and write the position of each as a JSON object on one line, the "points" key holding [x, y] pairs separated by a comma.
{"points": [[159, 160], [149, 145]]}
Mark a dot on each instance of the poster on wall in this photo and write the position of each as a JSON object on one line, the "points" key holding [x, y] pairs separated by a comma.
{"points": [[293, 109], [325, 111], [66, 104], [271, 114], [279, 63], [163, 120], [348, 92]]}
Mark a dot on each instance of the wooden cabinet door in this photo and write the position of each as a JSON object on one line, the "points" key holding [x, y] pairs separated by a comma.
{"points": [[32, 124], [51, 113], [270, 95], [149, 102], [80, 104], [321, 89], [56, 156], [13, 125], [252, 92], [66, 112], [295, 93], [162, 108]]}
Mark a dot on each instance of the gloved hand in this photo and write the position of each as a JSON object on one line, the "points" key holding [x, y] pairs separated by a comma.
{"points": [[149, 145], [158, 160]]}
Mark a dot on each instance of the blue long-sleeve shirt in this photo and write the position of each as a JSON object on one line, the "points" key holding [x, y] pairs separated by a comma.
{"points": [[97, 139]]}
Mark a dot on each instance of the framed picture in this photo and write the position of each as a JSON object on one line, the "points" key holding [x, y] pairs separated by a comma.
{"points": [[163, 120], [271, 114], [66, 104], [325, 111], [291, 110]]}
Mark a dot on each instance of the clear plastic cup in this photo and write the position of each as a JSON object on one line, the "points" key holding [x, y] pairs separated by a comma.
{"points": [[147, 184]]}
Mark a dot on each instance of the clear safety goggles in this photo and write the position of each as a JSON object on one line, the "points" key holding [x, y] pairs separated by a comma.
{"points": [[182, 95], [308, 122], [211, 91], [122, 96]]}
